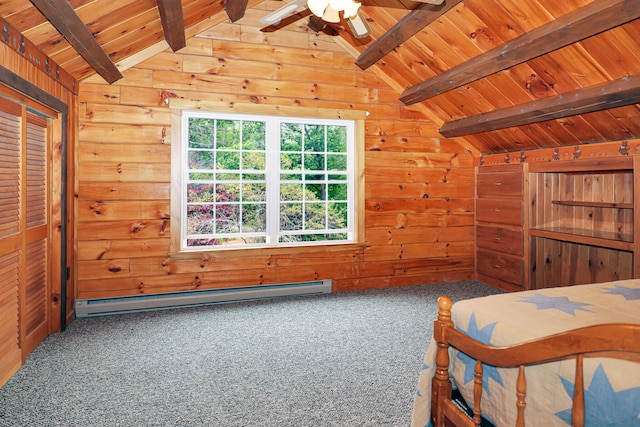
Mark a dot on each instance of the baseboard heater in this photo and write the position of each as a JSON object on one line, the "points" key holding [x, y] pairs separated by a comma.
{"points": [[130, 304]]}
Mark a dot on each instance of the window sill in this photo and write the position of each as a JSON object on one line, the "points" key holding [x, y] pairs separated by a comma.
{"points": [[222, 253]]}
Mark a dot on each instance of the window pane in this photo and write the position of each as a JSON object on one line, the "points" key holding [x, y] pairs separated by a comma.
{"points": [[314, 216], [228, 160], [314, 138], [227, 219], [201, 159], [228, 134], [200, 176], [336, 139], [337, 192], [314, 162], [253, 160], [290, 161], [253, 135], [201, 242], [337, 236], [291, 216], [254, 192], [199, 219], [227, 193], [337, 162], [199, 193], [253, 177], [291, 192], [338, 216], [254, 218], [201, 132], [227, 176], [314, 177], [290, 137], [290, 177], [314, 192]]}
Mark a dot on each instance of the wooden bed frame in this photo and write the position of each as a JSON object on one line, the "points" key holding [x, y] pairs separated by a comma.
{"points": [[615, 340]]}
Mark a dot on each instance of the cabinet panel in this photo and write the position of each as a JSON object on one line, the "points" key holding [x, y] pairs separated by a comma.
{"points": [[500, 265], [501, 239], [500, 184], [502, 211], [560, 263]]}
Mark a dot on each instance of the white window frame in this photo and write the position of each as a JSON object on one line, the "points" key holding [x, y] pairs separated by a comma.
{"points": [[182, 110]]}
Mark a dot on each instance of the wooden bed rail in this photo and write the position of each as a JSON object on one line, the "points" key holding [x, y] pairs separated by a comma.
{"points": [[614, 340]]}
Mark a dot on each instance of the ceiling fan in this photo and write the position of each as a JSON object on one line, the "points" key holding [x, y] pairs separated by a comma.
{"points": [[329, 11]]}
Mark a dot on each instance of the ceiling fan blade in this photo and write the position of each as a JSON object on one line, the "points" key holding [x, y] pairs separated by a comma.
{"points": [[435, 2], [359, 26], [287, 10]]}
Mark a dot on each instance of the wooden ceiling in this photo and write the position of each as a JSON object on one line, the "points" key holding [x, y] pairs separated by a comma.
{"points": [[506, 75]]}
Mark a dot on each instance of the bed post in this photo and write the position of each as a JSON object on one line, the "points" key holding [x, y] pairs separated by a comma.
{"points": [[440, 385]]}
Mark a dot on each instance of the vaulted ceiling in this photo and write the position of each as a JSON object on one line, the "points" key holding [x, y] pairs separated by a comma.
{"points": [[506, 75]]}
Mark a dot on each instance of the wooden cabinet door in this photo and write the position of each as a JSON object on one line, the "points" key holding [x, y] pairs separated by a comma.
{"points": [[10, 240]]}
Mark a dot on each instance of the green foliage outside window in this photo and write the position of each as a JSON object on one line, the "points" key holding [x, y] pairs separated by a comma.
{"points": [[227, 193]]}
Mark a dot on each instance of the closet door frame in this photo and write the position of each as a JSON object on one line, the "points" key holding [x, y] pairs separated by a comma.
{"points": [[35, 100]]}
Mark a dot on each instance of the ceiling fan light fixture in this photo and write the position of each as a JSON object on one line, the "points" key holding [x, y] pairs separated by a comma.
{"points": [[320, 8], [349, 7], [359, 27], [317, 7], [331, 15]]}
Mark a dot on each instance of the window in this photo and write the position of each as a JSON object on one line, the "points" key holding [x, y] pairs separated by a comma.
{"points": [[262, 181]]}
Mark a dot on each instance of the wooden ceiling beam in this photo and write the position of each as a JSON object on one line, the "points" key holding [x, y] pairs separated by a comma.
{"points": [[407, 27], [235, 9], [172, 23], [589, 20], [616, 93], [65, 19]]}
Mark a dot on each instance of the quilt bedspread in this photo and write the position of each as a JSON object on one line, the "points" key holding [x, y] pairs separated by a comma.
{"points": [[612, 387]]}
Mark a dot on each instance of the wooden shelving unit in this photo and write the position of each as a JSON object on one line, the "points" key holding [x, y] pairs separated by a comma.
{"points": [[582, 216], [586, 237], [610, 205]]}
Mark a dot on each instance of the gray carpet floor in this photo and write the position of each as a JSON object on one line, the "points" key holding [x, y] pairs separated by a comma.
{"points": [[342, 359]]}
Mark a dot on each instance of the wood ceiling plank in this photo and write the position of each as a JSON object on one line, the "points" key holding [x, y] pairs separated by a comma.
{"points": [[581, 128], [115, 38], [541, 78], [610, 52], [407, 27], [99, 18], [62, 16], [610, 128], [530, 14], [128, 45], [621, 92], [594, 18]]}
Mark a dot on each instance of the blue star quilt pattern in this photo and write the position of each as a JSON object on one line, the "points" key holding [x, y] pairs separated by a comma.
{"points": [[612, 387], [488, 372], [605, 406]]}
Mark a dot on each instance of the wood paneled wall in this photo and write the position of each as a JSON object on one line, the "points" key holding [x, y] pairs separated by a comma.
{"points": [[419, 188]]}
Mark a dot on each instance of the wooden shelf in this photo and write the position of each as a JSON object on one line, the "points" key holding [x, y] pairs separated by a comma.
{"points": [[611, 205], [586, 237]]}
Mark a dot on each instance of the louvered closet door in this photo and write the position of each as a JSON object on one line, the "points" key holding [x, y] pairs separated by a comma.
{"points": [[24, 235], [35, 316], [10, 239]]}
